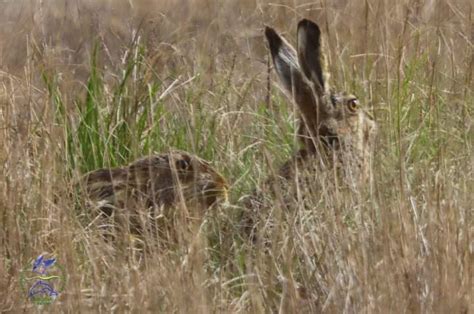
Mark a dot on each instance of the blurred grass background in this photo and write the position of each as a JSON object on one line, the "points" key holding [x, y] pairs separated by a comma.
{"points": [[89, 84]]}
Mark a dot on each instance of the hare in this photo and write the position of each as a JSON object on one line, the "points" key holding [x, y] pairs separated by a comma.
{"points": [[334, 131], [154, 185]]}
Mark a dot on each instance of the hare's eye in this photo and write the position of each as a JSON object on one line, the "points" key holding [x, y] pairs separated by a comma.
{"points": [[353, 104], [182, 164]]}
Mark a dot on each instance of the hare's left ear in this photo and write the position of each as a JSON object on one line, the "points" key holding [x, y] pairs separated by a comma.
{"points": [[310, 55], [286, 66]]}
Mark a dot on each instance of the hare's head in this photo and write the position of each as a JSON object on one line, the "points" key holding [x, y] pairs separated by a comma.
{"points": [[197, 179], [333, 121]]}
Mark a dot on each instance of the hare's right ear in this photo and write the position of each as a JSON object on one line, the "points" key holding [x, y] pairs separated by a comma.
{"points": [[310, 56], [286, 65]]}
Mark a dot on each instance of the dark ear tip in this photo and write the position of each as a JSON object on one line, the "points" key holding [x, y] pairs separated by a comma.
{"points": [[271, 35], [309, 25], [273, 38]]}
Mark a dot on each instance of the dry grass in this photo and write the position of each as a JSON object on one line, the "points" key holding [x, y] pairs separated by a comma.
{"points": [[402, 244]]}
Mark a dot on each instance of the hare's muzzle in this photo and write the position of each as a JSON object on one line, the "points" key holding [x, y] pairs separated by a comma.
{"points": [[215, 189]]}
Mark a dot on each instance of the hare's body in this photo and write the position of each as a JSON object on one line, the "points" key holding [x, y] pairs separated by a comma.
{"points": [[336, 134], [154, 184]]}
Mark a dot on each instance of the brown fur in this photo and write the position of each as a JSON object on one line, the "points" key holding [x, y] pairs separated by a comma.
{"points": [[154, 184], [335, 132]]}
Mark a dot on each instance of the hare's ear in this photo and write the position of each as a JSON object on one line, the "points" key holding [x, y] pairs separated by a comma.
{"points": [[310, 56], [286, 65]]}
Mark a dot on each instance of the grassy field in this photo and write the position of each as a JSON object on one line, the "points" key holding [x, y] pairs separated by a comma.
{"points": [[89, 84]]}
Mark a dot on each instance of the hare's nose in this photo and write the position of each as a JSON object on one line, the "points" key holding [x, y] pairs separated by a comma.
{"points": [[217, 187], [221, 183]]}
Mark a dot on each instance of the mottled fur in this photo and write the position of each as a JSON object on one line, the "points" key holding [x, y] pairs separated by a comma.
{"points": [[154, 184], [335, 132]]}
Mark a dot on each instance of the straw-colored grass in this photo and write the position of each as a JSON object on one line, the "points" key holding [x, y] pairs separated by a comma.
{"points": [[87, 84]]}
